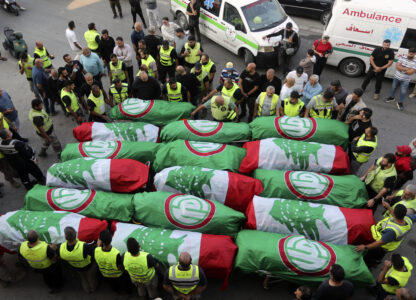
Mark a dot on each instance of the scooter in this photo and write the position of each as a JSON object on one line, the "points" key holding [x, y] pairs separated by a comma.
{"points": [[10, 6], [14, 42]]}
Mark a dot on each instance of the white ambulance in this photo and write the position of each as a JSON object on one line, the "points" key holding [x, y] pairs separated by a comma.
{"points": [[239, 25], [358, 26]]}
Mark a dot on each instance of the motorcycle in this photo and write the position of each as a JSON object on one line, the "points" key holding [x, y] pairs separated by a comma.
{"points": [[14, 42], [10, 6]]}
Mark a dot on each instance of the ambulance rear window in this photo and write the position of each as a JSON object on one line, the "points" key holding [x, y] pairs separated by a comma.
{"points": [[409, 40]]}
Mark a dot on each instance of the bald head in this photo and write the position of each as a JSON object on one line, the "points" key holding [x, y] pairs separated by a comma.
{"points": [[185, 260], [180, 70], [405, 294], [138, 26], [144, 77], [219, 100], [89, 78], [32, 236], [39, 62], [251, 67], [39, 45]]}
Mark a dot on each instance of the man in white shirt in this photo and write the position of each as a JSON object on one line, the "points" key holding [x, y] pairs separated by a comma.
{"points": [[72, 40], [301, 79], [168, 29], [125, 53]]}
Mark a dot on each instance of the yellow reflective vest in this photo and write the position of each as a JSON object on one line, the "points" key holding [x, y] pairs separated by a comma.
{"points": [[174, 95], [184, 281], [220, 112], [36, 256], [99, 103], [402, 277], [322, 110], [293, 110], [90, 36], [275, 99], [42, 53], [47, 120], [208, 66], [120, 96], [147, 63], [165, 58], [400, 231], [362, 142], [193, 57], [26, 65], [229, 93], [75, 257], [107, 262], [377, 176], [117, 71], [200, 78], [409, 203], [137, 267], [74, 102]]}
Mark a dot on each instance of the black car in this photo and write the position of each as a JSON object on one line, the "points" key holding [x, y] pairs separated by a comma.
{"points": [[320, 9]]}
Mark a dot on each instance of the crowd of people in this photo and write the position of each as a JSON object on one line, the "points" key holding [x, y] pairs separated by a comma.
{"points": [[176, 68]]}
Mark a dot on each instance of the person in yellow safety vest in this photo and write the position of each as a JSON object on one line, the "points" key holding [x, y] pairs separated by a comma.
{"points": [[43, 125], [362, 147], [293, 106], [117, 70], [141, 268], [149, 62], [228, 90], [388, 234], [42, 257], [110, 262], [119, 91], [175, 92], [168, 61], [191, 52], [96, 105], [322, 106], [185, 280], [208, 66], [380, 179], [92, 37], [78, 255], [267, 103], [407, 197], [26, 64], [43, 54], [394, 275], [70, 101], [202, 77], [222, 109]]}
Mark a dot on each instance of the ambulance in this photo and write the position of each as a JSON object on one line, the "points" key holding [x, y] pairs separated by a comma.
{"points": [[239, 25], [358, 26]]}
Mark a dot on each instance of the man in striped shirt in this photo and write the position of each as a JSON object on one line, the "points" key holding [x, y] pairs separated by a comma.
{"points": [[405, 68]]}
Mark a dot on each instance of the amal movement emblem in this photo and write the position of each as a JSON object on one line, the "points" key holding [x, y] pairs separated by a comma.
{"points": [[100, 149], [136, 108], [188, 212], [294, 128], [309, 185], [204, 148], [202, 127], [70, 199]]}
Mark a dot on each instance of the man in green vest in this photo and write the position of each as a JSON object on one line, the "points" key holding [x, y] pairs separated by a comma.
{"points": [[362, 147], [209, 67], [222, 109], [26, 64], [44, 128], [185, 280], [388, 234], [118, 70], [149, 62], [380, 179], [322, 106], [293, 106], [175, 91], [119, 91], [70, 100], [267, 103], [110, 263], [96, 105], [228, 90], [407, 197], [43, 54], [79, 256], [92, 37], [203, 79], [168, 61], [394, 275], [42, 257], [140, 266], [191, 52]]}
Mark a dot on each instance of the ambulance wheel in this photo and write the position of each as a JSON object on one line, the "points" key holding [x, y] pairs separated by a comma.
{"points": [[325, 16], [351, 67], [248, 56], [182, 21]]}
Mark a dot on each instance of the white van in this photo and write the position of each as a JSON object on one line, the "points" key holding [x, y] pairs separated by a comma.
{"points": [[358, 26], [239, 25]]}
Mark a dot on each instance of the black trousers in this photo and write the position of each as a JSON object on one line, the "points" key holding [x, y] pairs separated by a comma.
{"points": [[130, 74], [318, 67], [24, 168], [379, 79], [250, 101], [285, 62], [113, 4], [119, 284], [138, 10], [163, 71], [374, 257], [194, 30], [52, 276]]}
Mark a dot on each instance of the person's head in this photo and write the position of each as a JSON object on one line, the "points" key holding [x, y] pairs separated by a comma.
{"points": [[104, 34], [89, 79], [294, 96], [69, 85], [32, 236], [39, 44], [204, 59], [356, 94], [270, 74], [386, 44], [144, 77], [165, 44], [404, 150], [310, 53], [366, 113], [96, 91], [138, 26], [397, 261], [62, 72], [180, 70], [105, 237], [144, 53], [68, 59], [133, 246], [371, 132], [114, 59], [24, 57], [405, 294], [54, 73], [289, 26], [71, 25], [400, 211], [299, 71], [228, 83], [409, 192], [219, 100], [5, 134], [36, 104], [325, 39], [118, 83], [336, 85], [91, 26], [191, 41], [337, 273], [152, 30], [1, 93], [290, 81], [142, 44], [185, 259], [165, 21], [120, 41], [314, 79], [70, 234], [39, 63], [303, 293], [86, 52], [198, 68], [328, 96], [251, 68], [411, 54], [173, 83], [388, 160], [179, 32]]}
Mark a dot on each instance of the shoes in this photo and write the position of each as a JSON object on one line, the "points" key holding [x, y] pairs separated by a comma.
{"points": [[25, 140], [53, 114], [22, 8], [1, 184], [15, 184], [3, 59], [376, 96], [389, 99], [1, 195], [412, 95], [121, 16], [400, 106], [115, 16], [42, 153]]}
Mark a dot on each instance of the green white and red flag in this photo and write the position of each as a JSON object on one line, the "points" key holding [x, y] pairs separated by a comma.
{"points": [[297, 259], [345, 191], [140, 151], [50, 226], [284, 154], [205, 131], [232, 189], [156, 112], [116, 131], [323, 131], [199, 154], [319, 222], [89, 203], [111, 175], [186, 212]]}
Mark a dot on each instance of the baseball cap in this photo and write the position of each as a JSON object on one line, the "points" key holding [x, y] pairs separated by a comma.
{"points": [[179, 30], [405, 149], [299, 70], [289, 25], [198, 66], [229, 65]]}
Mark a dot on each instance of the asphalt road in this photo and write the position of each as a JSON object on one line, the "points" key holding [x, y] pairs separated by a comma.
{"points": [[47, 20]]}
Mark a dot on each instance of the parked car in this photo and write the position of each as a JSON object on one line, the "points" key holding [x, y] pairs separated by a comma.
{"points": [[320, 9]]}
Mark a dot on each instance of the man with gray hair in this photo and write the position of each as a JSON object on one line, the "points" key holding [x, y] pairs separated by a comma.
{"points": [[153, 42], [311, 89], [405, 294], [407, 197], [267, 103], [92, 64], [152, 12]]}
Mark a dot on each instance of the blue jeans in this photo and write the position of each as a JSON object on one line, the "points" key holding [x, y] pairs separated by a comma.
{"points": [[403, 89]]}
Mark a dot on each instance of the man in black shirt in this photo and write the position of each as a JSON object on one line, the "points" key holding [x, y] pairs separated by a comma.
{"points": [[53, 89], [335, 287], [190, 81], [146, 87], [85, 90], [249, 84], [359, 123], [106, 47], [269, 79], [192, 10], [152, 42], [380, 60], [75, 72]]}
